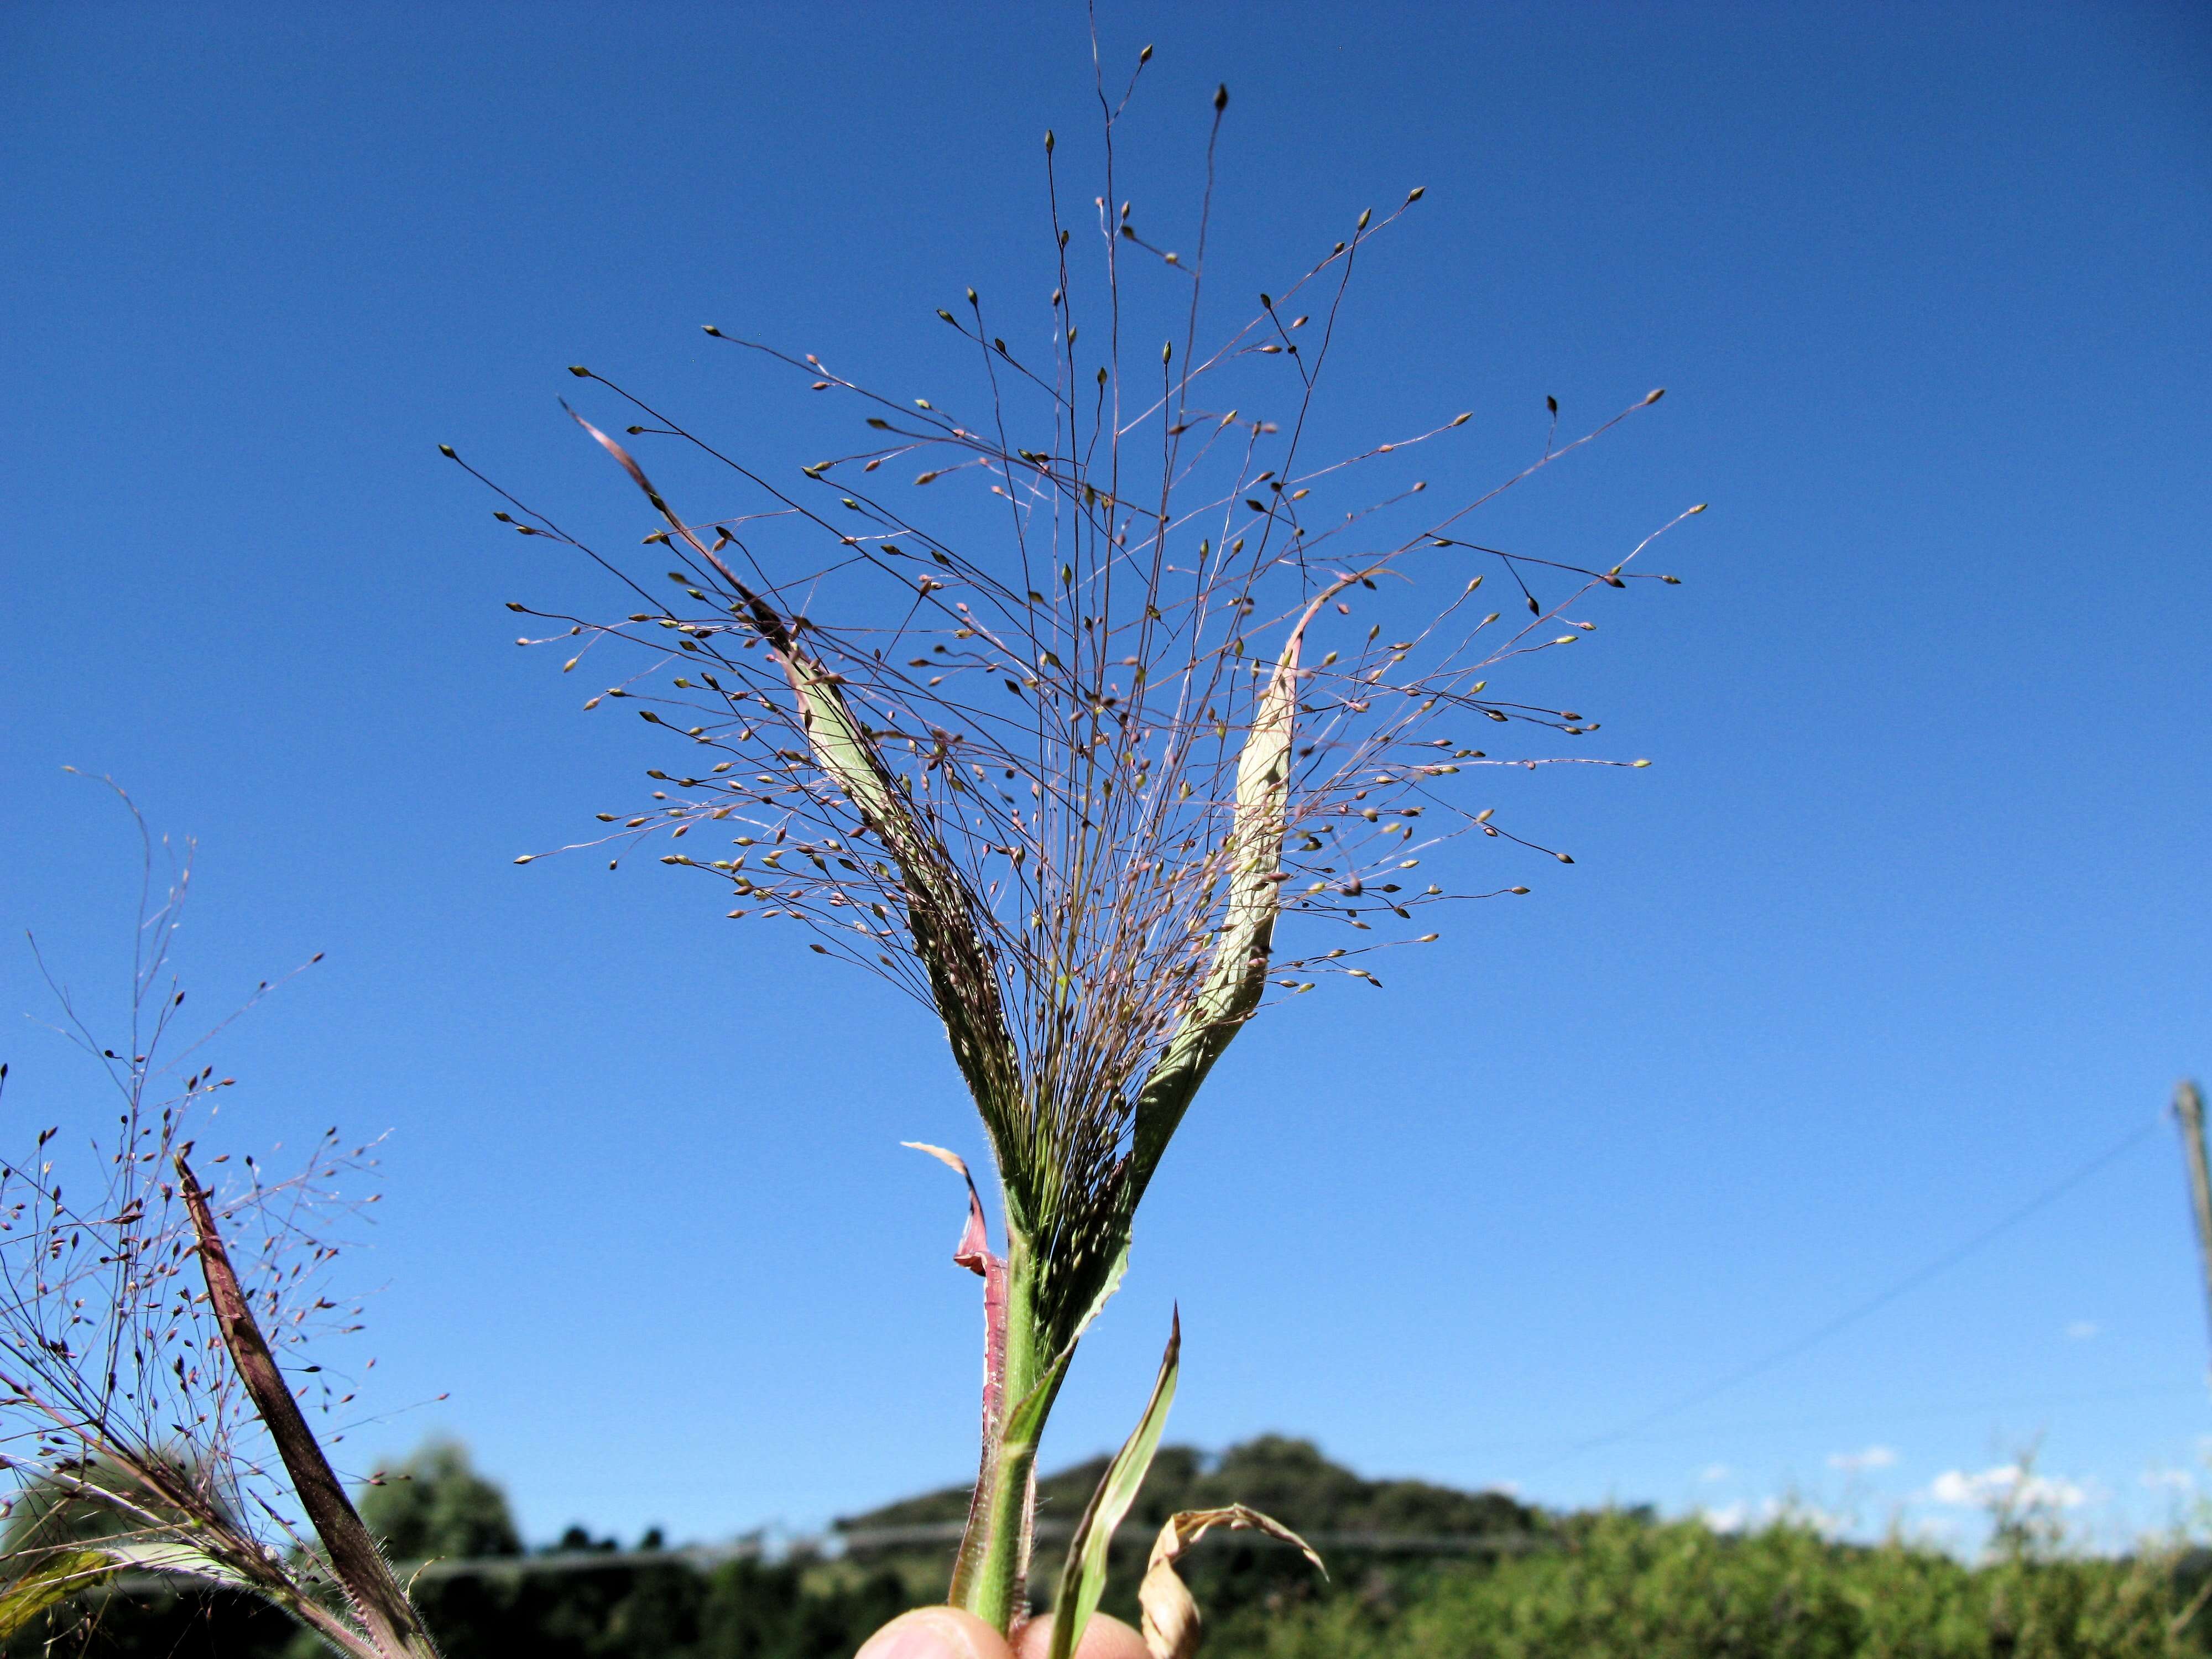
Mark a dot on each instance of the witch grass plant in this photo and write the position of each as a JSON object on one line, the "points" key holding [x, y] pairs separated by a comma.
{"points": [[1168, 718], [1174, 726], [147, 1322]]}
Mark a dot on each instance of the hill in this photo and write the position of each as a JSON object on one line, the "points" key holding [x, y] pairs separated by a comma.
{"points": [[1289, 1479]]}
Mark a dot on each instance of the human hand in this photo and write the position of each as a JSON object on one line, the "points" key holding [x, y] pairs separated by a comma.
{"points": [[954, 1633]]}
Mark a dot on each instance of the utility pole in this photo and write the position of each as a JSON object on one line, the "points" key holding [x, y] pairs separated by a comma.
{"points": [[2189, 1109]]}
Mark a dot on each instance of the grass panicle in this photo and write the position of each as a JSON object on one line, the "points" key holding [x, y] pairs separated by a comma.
{"points": [[154, 1380], [1086, 703]]}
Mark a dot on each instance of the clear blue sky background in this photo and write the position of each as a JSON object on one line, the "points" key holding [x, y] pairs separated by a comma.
{"points": [[1907, 921]]}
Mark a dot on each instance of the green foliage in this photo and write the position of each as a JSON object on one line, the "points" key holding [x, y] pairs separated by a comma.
{"points": [[669, 1610], [1624, 1584], [1620, 1584], [1292, 1481], [434, 1506], [47, 1579], [161, 1624], [186, 1622], [664, 1610]]}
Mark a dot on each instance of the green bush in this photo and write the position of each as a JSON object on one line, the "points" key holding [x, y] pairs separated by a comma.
{"points": [[1619, 1584], [1622, 1585]]}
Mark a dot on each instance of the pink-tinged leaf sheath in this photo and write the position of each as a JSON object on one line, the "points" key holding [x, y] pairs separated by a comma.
{"points": [[1171, 1620], [974, 1253], [385, 1610], [1083, 1579]]}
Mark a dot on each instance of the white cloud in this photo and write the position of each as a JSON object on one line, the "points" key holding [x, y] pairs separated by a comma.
{"points": [[2008, 1482], [1873, 1457], [2170, 1480], [1728, 1517], [2082, 1329], [1713, 1472]]}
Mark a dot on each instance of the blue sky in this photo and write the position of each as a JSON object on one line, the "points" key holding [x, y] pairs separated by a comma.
{"points": [[1904, 925]]}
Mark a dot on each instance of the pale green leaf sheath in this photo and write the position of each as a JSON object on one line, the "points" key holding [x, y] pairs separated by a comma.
{"points": [[1238, 975], [1238, 972], [993, 1559]]}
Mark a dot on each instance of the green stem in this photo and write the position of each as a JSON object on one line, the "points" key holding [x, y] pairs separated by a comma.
{"points": [[998, 1591]]}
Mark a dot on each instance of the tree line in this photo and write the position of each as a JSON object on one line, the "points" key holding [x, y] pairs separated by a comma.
{"points": [[1532, 1584]]}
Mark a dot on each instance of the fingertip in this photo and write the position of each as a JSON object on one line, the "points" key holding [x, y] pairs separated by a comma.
{"points": [[935, 1633], [1104, 1638]]}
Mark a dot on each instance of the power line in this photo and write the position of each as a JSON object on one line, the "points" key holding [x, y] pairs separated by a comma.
{"points": [[1874, 1303], [1872, 1415]]}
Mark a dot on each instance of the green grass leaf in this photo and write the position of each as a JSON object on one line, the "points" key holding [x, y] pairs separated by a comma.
{"points": [[1083, 1579], [54, 1579]]}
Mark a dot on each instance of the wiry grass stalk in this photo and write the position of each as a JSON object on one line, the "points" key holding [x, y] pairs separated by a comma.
{"points": [[1061, 762], [144, 1411]]}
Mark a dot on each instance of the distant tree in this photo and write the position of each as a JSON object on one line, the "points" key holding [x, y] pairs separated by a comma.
{"points": [[436, 1505]]}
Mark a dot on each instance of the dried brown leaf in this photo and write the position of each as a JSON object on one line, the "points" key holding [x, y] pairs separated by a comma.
{"points": [[1172, 1619]]}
